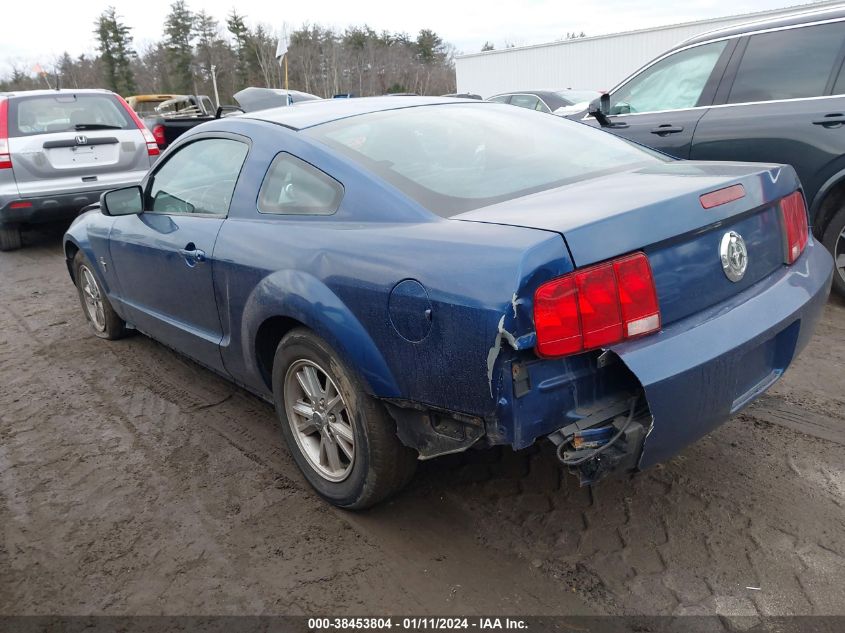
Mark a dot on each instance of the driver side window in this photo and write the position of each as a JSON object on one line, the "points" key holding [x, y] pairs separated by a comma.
{"points": [[198, 178], [673, 83]]}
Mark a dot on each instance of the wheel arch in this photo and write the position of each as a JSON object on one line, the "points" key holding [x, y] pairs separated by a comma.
{"points": [[71, 248], [827, 201], [288, 299]]}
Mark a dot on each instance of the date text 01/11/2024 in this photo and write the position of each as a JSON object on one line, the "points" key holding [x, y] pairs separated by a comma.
{"points": [[416, 623]]}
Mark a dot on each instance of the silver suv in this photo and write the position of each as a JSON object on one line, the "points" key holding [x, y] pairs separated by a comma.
{"points": [[60, 149]]}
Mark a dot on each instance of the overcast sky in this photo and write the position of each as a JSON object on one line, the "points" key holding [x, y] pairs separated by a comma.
{"points": [[39, 31]]}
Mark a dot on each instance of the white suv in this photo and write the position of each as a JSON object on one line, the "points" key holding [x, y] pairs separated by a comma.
{"points": [[60, 149]]}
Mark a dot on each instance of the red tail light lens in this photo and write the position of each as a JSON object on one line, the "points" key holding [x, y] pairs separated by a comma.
{"points": [[149, 139], [637, 295], [158, 134], [557, 319], [598, 303], [795, 229], [5, 156], [596, 307]]}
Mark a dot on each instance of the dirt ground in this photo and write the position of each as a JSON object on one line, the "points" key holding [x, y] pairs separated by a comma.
{"points": [[135, 482]]}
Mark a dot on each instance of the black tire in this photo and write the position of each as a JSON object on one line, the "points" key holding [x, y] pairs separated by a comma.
{"points": [[10, 238], [112, 326], [382, 465], [834, 241]]}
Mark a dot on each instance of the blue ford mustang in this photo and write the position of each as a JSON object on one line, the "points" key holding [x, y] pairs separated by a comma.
{"points": [[410, 278]]}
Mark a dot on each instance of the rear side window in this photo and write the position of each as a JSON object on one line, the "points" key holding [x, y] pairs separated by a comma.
{"points": [[47, 114], [525, 101], [293, 187], [788, 64], [499, 99]]}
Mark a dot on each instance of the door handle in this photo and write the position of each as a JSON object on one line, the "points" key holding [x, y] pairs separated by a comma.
{"points": [[831, 120], [667, 128], [192, 254]]}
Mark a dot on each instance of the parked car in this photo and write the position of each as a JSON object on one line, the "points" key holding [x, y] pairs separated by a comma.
{"points": [[253, 98], [145, 105], [407, 278], [771, 91], [463, 95], [173, 116], [186, 105], [60, 149], [166, 128], [560, 102]]}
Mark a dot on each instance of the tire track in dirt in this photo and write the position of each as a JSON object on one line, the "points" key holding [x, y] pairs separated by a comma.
{"points": [[176, 502], [134, 481]]}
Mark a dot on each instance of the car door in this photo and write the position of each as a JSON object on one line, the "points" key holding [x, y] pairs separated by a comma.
{"points": [[782, 101], [661, 105], [163, 257]]}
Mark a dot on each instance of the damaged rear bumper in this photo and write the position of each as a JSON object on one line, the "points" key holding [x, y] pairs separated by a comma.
{"points": [[699, 371], [688, 379], [684, 381]]}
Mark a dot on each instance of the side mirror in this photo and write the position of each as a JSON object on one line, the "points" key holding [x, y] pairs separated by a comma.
{"points": [[126, 201], [599, 108]]}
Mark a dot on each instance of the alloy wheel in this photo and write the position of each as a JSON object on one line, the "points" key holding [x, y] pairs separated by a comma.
{"points": [[93, 299], [320, 420]]}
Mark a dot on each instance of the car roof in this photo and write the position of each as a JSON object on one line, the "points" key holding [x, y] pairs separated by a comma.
{"points": [[46, 92], [310, 113], [804, 17]]}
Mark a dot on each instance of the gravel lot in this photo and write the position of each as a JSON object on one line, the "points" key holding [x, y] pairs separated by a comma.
{"points": [[135, 482]]}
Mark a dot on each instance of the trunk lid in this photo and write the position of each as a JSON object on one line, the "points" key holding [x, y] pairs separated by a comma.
{"points": [[657, 209]]}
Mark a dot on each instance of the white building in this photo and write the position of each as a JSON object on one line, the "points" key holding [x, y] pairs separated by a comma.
{"points": [[598, 62]]}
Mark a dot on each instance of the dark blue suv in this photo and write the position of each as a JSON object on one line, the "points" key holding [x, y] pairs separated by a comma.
{"points": [[771, 91]]}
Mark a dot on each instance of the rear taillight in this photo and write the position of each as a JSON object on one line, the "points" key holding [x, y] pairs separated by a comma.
{"points": [[795, 229], [149, 139], [5, 156], [158, 134], [596, 307]]}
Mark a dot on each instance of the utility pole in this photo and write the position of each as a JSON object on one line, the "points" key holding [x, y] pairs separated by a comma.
{"points": [[214, 85]]}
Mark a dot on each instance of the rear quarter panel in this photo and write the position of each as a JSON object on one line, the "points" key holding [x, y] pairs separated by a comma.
{"points": [[335, 274]]}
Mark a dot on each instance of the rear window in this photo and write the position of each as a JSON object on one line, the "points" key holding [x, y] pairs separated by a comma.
{"points": [[453, 158], [147, 108], [47, 114]]}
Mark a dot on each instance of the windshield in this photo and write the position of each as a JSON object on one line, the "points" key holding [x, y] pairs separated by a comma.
{"points": [[457, 157], [45, 114]]}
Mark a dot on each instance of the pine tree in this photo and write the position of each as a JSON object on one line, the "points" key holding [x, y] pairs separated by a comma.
{"points": [[236, 25], [114, 41], [179, 35], [429, 46]]}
